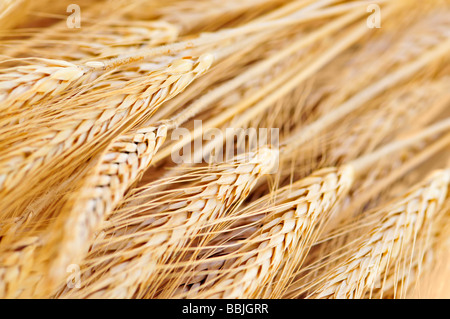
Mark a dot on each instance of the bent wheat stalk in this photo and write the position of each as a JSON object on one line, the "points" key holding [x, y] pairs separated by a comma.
{"points": [[117, 170]]}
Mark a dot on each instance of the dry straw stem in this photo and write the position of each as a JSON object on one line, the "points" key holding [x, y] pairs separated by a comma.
{"points": [[258, 69], [118, 169], [292, 226], [123, 263], [140, 99], [210, 15], [265, 65], [30, 84], [101, 40], [356, 101], [233, 60], [427, 24], [310, 13], [386, 242], [410, 107], [307, 133]]}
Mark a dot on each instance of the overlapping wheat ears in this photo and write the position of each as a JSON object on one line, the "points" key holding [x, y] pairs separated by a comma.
{"points": [[351, 200]]}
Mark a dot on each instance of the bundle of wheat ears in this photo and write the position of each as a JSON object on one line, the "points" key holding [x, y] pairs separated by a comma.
{"points": [[224, 149]]}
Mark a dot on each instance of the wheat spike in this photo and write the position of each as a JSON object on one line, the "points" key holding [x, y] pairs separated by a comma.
{"points": [[289, 226], [118, 169], [157, 87], [339, 204], [293, 225], [169, 84], [31, 84], [171, 227], [400, 224], [428, 257]]}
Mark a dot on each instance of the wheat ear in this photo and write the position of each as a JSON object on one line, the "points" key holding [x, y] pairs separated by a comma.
{"points": [[172, 226], [118, 169], [400, 224], [283, 232], [157, 87], [33, 83], [179, 75]]}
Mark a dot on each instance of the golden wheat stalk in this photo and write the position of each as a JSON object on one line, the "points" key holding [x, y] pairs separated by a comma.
{"points": [[356, 101], [169, 83], [71, 152], [274, 87]]}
